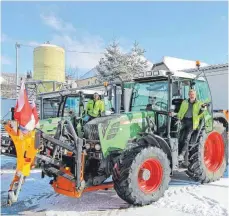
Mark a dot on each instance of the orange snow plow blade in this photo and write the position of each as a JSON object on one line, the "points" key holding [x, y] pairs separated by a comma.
{"points": [[26, 152], [68, 188]]}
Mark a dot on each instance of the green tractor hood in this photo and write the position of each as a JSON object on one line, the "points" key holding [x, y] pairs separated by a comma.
{"points": [[49, 125], [115, 131]]}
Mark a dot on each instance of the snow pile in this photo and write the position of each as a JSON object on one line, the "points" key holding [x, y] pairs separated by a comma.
{"points": [[183, 198]]}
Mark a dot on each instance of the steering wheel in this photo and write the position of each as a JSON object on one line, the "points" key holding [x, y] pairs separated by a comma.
{"points": [[71, 112], [161, 104]]}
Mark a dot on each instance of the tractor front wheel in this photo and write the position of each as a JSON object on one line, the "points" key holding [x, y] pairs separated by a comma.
{"points": [[207, 160], [142, 175]]}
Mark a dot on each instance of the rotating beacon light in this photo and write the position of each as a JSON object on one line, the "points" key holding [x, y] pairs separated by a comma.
{"points": [[198, 64]]}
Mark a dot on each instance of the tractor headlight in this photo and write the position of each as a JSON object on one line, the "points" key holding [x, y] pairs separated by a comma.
{"points": [[156, 73], [149, 73], [87, 146], [97, 147], [141, 74]]}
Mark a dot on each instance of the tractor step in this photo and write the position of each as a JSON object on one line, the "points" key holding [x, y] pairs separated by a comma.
{"points": [[60, 173]]}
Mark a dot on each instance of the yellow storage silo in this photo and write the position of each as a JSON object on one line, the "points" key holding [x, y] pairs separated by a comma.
{"points": [[49, 64]]}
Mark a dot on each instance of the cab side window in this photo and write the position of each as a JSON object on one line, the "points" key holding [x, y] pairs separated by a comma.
{"points": [[180, 89], [202, 91], [50, 107], [185, 87]]}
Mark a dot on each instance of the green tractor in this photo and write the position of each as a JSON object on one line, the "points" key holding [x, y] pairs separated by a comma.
{"points": [[138, 145]]}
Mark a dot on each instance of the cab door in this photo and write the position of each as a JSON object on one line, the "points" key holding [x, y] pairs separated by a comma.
{"points": [[204, 95]]}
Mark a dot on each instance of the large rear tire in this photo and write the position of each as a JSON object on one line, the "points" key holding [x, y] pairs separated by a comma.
{"points": [[142, 175], [208, 159]]}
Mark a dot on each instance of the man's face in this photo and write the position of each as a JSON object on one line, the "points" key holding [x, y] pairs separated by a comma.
{"points": [[96, 96], [192, 95]]}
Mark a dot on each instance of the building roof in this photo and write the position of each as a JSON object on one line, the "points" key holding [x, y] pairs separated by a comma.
{"points": [[149, 63], [89, 74], [177, 64]]}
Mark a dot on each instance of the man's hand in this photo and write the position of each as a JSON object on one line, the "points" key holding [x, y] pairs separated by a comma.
{"points": [[204, 107], [173, 114], [178, 122]]}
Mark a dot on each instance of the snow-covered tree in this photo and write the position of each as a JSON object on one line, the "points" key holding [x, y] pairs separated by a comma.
{"points": [[137, 63], [124, 65], [113, 65]]}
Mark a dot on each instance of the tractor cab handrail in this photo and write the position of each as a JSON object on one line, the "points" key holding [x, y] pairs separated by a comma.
{"points": [[162, 112]]}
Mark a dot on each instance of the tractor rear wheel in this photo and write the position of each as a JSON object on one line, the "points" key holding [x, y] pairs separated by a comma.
{"points": [[142, 175], [208, 159]]}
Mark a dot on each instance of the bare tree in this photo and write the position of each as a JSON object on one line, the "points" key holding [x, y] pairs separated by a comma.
{"points": [[72, 73]]}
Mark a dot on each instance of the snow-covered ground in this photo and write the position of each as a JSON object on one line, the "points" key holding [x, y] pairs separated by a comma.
{"points": [[184, 198]]}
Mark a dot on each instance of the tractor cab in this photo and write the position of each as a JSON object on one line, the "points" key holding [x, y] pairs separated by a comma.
{"points": [[68, 104], [163, 93], [64, 103]]}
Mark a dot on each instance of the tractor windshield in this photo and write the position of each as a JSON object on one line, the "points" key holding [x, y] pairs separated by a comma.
{"points": [[153, 94], [71, 105]]}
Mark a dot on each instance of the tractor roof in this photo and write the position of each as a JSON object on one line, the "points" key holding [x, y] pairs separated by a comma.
{"points": [[74, 91], [162, 75]]}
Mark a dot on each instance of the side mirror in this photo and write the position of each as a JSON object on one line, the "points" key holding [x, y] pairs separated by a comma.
{"points": [[193, 83], [127, 98], [109, 93], [82, 97]]}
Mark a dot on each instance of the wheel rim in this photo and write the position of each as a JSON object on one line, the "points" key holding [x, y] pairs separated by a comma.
{"points": [[214, 151], [150, 175]]}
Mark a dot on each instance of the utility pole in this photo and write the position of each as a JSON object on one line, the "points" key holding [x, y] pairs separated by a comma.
{"points": [[17, 46]]}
